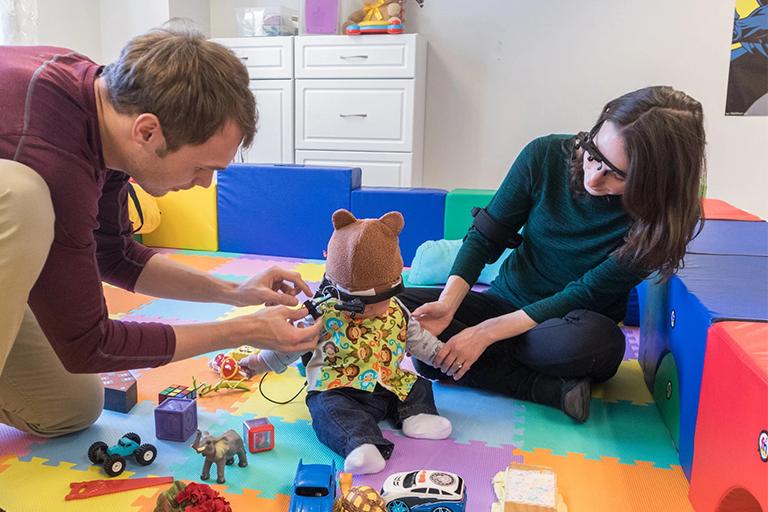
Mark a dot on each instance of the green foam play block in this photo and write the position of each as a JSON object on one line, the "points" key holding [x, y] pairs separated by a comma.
{"points": [[458, 210], [666, 393]]}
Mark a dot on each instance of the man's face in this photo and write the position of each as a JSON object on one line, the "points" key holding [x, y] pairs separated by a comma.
{"points": [[186, 167]]}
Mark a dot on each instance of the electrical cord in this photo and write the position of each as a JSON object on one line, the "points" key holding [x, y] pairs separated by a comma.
{"points": [[261, 381]]}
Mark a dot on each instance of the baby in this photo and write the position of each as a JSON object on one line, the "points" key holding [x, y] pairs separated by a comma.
{"points": [[354, 375]]}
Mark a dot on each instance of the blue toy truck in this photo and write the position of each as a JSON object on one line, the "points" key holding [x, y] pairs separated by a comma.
{"points": [[113, 457]]}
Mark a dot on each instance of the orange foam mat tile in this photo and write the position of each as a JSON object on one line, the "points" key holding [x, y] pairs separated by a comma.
{"points": [[249, 500], [203, 263], [122, 301], [608, 486], [153, 380]]}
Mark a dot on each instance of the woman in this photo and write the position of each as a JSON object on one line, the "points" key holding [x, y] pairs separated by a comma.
{"points": [[600, 211]]}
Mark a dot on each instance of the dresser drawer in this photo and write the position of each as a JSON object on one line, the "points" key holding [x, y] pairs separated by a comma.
{"points": [[386, 56], [379, 169], [356, 115], [265, 57]]}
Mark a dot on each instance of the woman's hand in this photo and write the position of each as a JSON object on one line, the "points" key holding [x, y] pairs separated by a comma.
{"points": [[434, 316], [273, 286], [460, 353], [274, 330]]}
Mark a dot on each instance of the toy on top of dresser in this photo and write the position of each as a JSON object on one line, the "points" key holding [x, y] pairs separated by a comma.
{"points": [[376, 17]]}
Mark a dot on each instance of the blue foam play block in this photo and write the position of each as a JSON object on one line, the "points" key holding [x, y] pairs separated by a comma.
{"points": [[676, 317], [281, 210], [632, 316], [746, 238], [423, 209]]}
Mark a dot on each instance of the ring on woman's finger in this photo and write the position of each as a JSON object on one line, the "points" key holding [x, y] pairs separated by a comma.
{"points": [[460, 365]]}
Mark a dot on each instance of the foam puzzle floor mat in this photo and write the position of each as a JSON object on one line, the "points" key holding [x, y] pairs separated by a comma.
{"points": [[622, 458]]}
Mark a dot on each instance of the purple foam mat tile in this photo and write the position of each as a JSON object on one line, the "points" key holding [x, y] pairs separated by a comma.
{"points": [[16, 442], [475, 462], [632, 336], [254, 265]]}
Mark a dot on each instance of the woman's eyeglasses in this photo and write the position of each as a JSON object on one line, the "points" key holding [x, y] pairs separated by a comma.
{"points": [[587, 142]]}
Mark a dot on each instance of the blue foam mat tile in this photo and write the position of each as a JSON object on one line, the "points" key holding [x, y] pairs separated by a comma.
{"points": [[620, 430], [270, 472], [478, 415], [182, 311]]}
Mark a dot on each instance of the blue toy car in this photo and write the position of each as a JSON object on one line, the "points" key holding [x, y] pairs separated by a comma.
{"points": [[424, 491], [113, 458], [314, 488]]}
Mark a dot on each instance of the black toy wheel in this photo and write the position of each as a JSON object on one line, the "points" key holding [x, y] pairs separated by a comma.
{"points": [[97, 452], [145, 454], [133, 437], [114, 465]]}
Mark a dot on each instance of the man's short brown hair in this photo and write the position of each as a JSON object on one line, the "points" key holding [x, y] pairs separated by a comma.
{"points": [[194, 86]]}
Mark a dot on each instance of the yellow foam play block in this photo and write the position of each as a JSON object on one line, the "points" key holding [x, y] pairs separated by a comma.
{"points": [[188, 221]]}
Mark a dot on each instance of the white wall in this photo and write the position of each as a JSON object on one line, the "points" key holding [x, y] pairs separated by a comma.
{"points": [[123, 19], [502, 72], [73, 24]]}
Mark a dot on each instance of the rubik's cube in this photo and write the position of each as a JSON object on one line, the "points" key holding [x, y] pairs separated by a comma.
{"points": [[176, 391]]}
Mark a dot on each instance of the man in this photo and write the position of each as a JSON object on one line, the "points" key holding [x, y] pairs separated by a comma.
{"points": [[171, 111]]}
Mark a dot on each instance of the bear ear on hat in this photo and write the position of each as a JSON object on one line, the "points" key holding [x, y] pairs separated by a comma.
{"points": [[394, 220], [342, 217]]}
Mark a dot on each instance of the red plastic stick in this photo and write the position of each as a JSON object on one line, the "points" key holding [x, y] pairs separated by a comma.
{"points": [[82, 490]]}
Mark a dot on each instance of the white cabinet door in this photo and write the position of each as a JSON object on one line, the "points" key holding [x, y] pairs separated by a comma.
{"points": [[356, 115], [265, 57], [273, 142], [379, 169]]}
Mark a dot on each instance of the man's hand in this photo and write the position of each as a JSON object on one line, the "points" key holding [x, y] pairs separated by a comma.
{"points": [[269, 328], [434, 316], [274, 330], [271, 287]]}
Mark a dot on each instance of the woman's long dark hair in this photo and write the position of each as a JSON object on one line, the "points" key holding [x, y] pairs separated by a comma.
{"points": [[663, 135]]}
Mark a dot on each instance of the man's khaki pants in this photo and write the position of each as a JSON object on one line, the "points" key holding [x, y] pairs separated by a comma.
{"points": [[37, 394]]}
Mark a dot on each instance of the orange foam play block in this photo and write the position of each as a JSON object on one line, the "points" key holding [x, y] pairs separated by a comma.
{"points": [[717, 209]]}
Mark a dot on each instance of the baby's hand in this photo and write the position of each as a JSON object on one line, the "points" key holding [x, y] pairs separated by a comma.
{"points": [[253, 365]]}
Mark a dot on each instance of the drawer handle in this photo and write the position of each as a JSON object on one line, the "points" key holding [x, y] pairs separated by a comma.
{"points": [[353, 115], [243, 58], [347, 57]]}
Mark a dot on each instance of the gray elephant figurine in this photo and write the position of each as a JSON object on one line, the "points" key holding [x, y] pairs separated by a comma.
{"points": [[221, 450]]}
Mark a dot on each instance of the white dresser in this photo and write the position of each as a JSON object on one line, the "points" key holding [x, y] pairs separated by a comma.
{"points": [[353, 101], [270, 65]]}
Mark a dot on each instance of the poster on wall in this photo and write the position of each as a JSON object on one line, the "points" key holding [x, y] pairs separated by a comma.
{"points": [[748, 76]]}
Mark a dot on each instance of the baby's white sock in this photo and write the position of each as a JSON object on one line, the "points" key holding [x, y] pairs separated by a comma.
{"points": [[427, 426], [364, 460]]}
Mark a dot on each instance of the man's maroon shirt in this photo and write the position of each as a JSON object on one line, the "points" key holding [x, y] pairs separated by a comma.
{"points": [[49, 122]]}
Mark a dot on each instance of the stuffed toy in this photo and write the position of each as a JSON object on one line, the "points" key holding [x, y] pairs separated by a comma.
{"points": [[354, 375], [376, 17]]}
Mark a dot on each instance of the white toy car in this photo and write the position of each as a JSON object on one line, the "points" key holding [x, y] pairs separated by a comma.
{"points": [[424, 491]]}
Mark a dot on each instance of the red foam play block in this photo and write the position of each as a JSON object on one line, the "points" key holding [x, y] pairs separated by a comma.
{"points": [[730, 468], [716, 209]]}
